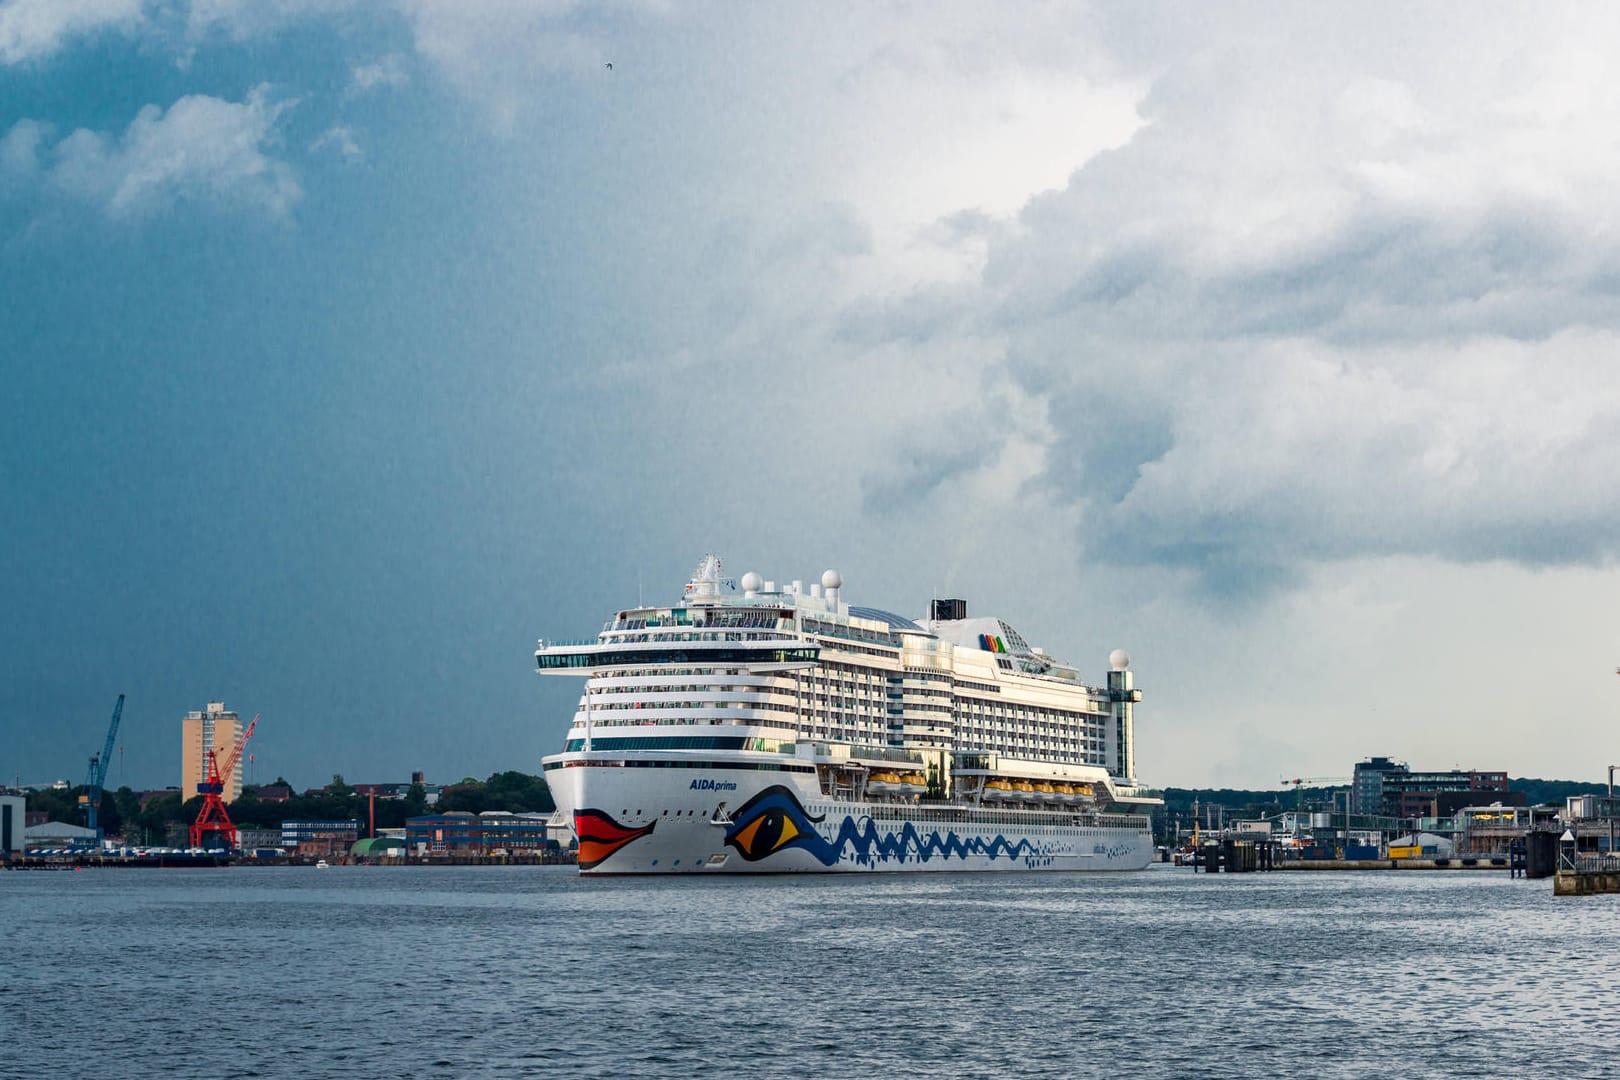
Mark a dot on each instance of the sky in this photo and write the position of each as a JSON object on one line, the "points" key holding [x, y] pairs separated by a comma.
{"points": [[348, 348]]}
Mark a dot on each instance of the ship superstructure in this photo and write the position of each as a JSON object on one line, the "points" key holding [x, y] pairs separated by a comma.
{"points": [[766, 728]]}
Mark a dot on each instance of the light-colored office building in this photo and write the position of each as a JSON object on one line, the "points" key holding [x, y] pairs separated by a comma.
{"points": [[210, 729]]}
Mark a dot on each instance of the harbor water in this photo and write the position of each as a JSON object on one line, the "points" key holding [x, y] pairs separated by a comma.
{"points": [[490, 971]]}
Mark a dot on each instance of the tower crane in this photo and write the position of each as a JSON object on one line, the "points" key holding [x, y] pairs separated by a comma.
{"points": [[212, 818], [90, 800], [1302, 782]]}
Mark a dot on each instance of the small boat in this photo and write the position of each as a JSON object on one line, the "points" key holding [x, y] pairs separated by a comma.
{"points": [[321, 865]]}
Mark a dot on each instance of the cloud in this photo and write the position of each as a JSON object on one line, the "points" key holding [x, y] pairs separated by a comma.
{"points": [[386, 71], [202, 149], [19, 151], [341, 141], [1323, 306], [1303, 452], [505, 53], [243, 20], [34, 29]]}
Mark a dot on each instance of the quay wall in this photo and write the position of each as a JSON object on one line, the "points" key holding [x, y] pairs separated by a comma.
{"points": [[1585, 882], [1390, 864]]}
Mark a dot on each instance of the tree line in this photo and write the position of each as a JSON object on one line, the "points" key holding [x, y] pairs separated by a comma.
{"points": [[121, 812]]}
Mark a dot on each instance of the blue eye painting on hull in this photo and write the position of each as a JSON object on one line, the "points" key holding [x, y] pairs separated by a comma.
{"points": [[775, 820]]}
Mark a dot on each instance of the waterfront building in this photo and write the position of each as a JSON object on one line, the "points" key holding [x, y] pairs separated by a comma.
{"points": [[1595, 820], [214, 728], [58, 834], [1491, 830], [1392, 789], [319, 838], [13, 816], [1367, 785], [461, 832], [249, 839], [1438, 794]]}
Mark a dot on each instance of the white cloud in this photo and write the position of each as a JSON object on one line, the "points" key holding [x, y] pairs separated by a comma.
{"points": [[387, 71], [33, 29], [242, 20], [19, 150], [201, 149], [341, 141], [1318, 285]]}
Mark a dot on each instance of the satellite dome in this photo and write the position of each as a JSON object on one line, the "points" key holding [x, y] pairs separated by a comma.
{"points": [[751, 582], [1119, 659], [832, 579]]}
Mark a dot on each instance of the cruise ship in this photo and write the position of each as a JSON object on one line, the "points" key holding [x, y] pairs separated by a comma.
{"points": [[758, 728]]}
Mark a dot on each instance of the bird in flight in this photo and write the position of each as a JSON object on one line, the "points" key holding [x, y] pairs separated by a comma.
{"points": [[608, 65]]}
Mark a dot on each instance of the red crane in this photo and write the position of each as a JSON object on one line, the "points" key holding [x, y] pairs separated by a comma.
{"points": [[212, 818]]}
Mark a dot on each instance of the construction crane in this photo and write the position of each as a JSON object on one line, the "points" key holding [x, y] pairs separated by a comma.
{"points": [[212, 818], [90, 800], [1302, 782]]}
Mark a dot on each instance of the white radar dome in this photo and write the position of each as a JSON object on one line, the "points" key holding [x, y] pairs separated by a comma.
{"points": [[1119, 659], [751, 582], [832, 579]]}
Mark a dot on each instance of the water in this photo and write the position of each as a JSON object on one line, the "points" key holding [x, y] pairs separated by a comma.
{"points": [[531, 971]]}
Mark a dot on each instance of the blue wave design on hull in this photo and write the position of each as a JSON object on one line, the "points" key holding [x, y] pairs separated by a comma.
{"points": [[863, 837], [774, 820]]}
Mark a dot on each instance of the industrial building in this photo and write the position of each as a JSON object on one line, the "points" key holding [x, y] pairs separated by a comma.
{"points": [[460, 832], [13, 822], [319, 838], [214, 728], [58, 835]]}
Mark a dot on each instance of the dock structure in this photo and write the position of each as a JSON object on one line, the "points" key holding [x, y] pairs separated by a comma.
{"points": [[1583, 873], [1589, 875]]}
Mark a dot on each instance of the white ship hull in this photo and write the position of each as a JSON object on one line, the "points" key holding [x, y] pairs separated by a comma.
{"points": [[664, 820]]}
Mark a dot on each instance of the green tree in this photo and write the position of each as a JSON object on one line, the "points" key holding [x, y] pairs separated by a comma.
{"points": [[468, 795], [129, 807], [160, 810], [109, 818], [415, 801], [518, 793], [56, 805]]}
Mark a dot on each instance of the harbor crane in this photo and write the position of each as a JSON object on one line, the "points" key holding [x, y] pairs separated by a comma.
{"points": [[212, 818], [96, 780]]}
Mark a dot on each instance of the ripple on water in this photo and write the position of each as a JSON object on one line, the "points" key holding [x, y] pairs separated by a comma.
{"points": [[519, 971]]}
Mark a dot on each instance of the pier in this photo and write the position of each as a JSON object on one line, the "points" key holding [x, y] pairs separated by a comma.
{"points": [[1249, 856], [1582, 873]]}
